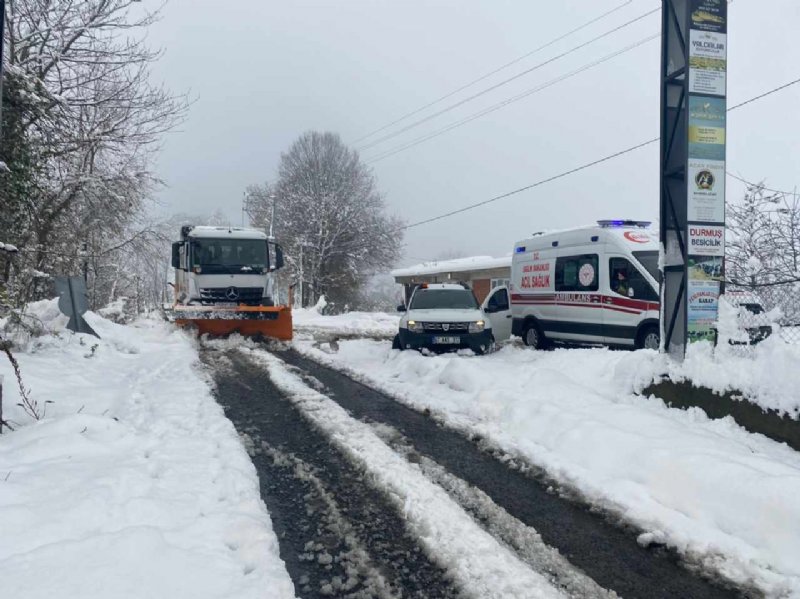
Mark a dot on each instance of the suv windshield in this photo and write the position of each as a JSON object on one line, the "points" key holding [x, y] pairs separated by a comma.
{"points": [[650, 262], [229, 255], [452, 299]]}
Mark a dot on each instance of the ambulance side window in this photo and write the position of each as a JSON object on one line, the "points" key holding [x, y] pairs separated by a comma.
{"points": [[626, 280], [577, 273]]}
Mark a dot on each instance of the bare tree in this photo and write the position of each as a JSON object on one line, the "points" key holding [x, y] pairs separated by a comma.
{"points": [[763, 248], [89, 120], [329, 211]]}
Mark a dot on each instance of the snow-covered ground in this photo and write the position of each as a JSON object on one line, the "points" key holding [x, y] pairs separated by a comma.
{"points": [[717, 493], [134, 484], [365, 324]]}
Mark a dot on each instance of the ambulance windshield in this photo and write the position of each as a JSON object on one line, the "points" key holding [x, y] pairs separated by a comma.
{"points": [[649, 260]]}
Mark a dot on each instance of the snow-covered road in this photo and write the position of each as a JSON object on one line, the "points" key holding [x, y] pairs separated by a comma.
{"points": [[717, 494]]}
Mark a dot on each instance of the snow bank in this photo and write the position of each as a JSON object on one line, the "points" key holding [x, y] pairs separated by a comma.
{"points": [[767, 374], [368, 324], [716, 493], [135, 484]]}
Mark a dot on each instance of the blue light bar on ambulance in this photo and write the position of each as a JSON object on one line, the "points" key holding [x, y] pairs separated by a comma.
{"points": [[624, 223], [520, 249]]}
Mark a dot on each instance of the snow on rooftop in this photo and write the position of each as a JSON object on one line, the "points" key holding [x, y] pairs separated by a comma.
{"points": [[457, 265]]}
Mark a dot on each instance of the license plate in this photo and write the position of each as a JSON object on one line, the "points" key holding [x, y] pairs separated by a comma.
{"points": [[446, 340]]}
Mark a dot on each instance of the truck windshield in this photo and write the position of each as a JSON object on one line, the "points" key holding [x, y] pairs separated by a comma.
{"points": [[650, 262], [229, 255], [445, 299]]}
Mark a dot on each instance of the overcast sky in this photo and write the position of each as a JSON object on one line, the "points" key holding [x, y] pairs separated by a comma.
{"points": [[264, 71]]}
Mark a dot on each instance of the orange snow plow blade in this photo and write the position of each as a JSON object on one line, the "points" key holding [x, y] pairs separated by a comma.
{"points": [[274, 322]]}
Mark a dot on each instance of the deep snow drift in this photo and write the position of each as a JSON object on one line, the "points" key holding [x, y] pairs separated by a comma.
{"points": [[135, 484], [718, 494]]}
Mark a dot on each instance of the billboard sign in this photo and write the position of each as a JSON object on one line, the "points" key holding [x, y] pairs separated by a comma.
{"points": [[705, 169]]}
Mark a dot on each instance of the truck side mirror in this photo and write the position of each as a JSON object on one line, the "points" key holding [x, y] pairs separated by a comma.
{"points": [[401, 308], [176, 254], [278, 257]]}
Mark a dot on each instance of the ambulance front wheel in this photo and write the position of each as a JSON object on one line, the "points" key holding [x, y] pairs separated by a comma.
{"points": [[532, 336]]}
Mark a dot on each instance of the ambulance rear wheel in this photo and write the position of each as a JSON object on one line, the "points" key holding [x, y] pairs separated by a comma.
{"points": [[532, 336], [649, 338]]}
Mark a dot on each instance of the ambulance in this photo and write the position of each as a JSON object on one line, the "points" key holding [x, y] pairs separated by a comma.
{"points": [[590, 285]]}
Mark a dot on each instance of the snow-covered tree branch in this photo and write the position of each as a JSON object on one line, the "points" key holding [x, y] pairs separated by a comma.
{"points": [[327, 209]]}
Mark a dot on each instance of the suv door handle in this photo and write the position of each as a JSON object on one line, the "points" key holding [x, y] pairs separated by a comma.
{"points": [[508, 315]]}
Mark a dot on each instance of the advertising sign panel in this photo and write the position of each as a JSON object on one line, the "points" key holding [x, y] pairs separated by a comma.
{"points": [[702, 306], [706, 197], [707, 128], [705, 172], [707, 62], [706, 240]]}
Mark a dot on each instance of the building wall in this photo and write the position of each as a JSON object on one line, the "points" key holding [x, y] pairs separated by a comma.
{"points": [[481, 288]]}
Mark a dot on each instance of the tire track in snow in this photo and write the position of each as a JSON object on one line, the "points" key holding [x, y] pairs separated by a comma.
{"points": [[522, 539], [338, 535], [480, 566], [606, 551]]}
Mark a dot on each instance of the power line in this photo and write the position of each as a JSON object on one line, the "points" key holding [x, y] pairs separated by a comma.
{"points": [[576, 169], [494, 72], [504, 82], [759, 185], [506, 102], [764, 95]]}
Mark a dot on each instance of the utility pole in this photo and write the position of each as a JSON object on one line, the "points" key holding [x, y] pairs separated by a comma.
{"points": [[302, 245], [693, 108], [3, 166], [272, 216]]}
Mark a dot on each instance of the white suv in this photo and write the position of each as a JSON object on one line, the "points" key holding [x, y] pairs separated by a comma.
{"points": [[443, 317]]}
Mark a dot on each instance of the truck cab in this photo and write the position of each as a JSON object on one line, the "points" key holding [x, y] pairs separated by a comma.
{"points": [[225, 266]]}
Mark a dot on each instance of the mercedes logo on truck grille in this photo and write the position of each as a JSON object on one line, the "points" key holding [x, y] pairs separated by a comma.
{"points": [[232, 293]]}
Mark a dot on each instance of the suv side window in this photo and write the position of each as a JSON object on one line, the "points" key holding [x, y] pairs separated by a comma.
{"points": [[624, 277], [499, 301], [577, 273]]}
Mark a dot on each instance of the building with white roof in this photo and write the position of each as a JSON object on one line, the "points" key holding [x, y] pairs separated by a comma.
{"points": [[480, 273]]}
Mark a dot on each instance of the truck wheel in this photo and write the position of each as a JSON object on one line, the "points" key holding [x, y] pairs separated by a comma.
{"points": [[649, 338], [396, 343], [532, 336]]}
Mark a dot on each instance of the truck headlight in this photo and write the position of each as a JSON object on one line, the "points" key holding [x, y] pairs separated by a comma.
{"points": [[414, 326], [476, 327]]}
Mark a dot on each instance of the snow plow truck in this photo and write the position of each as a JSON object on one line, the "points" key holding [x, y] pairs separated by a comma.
{"points": [[224, 282]]}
